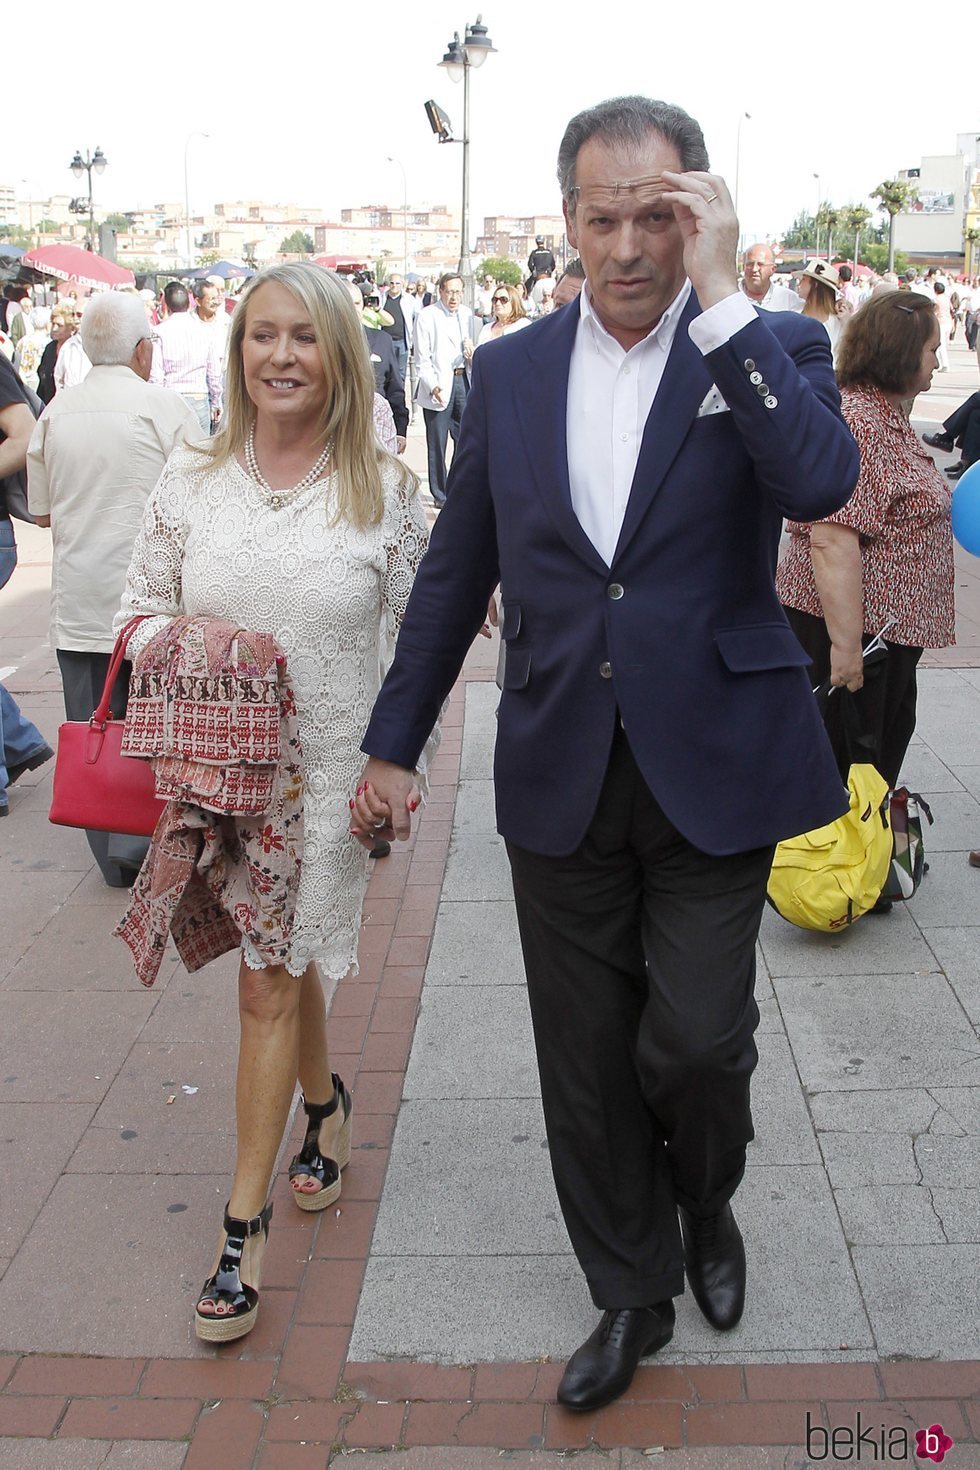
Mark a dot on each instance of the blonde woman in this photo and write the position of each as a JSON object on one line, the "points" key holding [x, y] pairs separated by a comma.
{"points": [[818, 287], [292, 520], [509, 314], [65, 321]]}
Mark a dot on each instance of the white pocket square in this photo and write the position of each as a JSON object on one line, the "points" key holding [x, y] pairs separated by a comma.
{"points": [[713, 403], [375, 357]]}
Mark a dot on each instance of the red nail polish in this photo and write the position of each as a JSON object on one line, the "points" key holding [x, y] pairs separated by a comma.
{"points": [[358, 791], [351, 803], [412, 805]]}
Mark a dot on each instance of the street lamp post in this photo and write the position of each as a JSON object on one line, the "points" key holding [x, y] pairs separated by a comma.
{"points": [[398, 163], [745, 117], [187, 197], [460, 58], [816, 227], [81, 166]]}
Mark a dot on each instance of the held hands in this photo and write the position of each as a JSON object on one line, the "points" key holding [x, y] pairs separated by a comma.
{"points": [[383, 804], [704, 211]]}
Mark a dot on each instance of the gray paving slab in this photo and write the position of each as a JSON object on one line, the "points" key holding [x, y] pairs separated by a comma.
{"points": [[955, 828], [957, 950], [473, 1042], [475, 810], [859, 1032], [470, 1179], [475, 943], [875, 945], [477, 867], [36, 1141], [924, 771], [946, 717], [78, 951], [950, 894], [482, 700], [853, 1159], [890, 1214], [139, 1248], [893, 1110], [62, 1046], [42, 846], [957, 1211], [923, 1300], [783, 1129], [30, 901], [961, 1105], [194, 1007], [969, 777], [945, 1160], [476, 758]]}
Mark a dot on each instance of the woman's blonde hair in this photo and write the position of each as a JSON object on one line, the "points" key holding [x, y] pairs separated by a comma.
{"points": [[347, 417]]}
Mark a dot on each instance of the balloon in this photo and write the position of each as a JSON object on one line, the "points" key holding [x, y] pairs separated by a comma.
{"points": [[966, 509]]}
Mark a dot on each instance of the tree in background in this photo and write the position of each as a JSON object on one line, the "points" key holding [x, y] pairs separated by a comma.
{"points": [[208, 257], [893, 196], [856, 217], [117, 221], [971, 238], [876, 256], [298, 243], [507, 272]]}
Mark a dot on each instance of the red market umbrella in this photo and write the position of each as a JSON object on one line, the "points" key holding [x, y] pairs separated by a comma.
{"points": [[69, 263]]}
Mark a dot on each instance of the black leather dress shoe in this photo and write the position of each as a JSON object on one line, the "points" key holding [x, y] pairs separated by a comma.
{"points": [[714, 1256], [603, 1367], [955, 470], [939, 441]]}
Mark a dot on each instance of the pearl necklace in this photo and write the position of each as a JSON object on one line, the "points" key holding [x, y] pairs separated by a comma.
{"points": [[278, 498]]}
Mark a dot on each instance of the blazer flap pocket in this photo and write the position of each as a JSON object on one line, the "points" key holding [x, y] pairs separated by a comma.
{"points": [[760, 646], [510, 619], [517, 668]]}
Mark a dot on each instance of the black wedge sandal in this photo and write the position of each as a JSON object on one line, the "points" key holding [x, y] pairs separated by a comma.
{"points": [[310, 1161], [226, 1287]]}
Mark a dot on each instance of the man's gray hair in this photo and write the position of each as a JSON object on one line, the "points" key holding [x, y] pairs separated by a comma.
{"points": [[113, 324], [630, 121]]}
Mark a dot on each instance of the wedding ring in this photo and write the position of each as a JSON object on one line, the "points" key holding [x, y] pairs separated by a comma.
{"points": [[711, 199]]}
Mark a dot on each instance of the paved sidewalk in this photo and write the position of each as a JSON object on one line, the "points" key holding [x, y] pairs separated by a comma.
{"points": [[423, 1323]]}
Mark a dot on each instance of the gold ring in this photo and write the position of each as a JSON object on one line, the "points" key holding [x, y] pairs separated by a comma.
{"points": [[711, 199]]}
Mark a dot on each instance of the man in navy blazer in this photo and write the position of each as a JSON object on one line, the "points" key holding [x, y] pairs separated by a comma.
{"points": [[623, 472]]}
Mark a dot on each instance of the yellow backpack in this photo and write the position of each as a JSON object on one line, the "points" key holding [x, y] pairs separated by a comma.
{"points": [[828, 878]]}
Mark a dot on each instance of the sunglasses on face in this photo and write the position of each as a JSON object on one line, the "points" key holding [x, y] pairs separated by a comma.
{"points": [[504, 299]]}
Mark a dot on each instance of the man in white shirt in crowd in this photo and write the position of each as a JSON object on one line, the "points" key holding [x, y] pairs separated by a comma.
{"points": [[443, 349], [757, 283], [96, 453], [209, 308], [187, 358]]}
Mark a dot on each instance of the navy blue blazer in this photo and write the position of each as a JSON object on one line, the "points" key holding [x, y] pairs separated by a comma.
{"points": [[682, 636]]}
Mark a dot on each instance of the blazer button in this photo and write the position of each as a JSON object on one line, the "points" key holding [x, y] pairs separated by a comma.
{"points": [[762, 389], [749, 365], [615, 591], [605, 671], [754, 377], [772, 401]]}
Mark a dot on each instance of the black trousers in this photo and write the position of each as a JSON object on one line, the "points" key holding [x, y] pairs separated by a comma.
{"points": [[885, 706], [640, 959], [439, 424], [118, 854], [958, 421]]}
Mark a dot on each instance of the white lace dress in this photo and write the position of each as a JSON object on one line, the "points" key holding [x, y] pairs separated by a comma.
{"points": [[331, 595]]}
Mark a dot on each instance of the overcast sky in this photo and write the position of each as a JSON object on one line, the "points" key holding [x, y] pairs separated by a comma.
{"points": [[302, 106]]}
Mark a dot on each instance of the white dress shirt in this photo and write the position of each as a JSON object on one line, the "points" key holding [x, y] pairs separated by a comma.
{"points": [[777, 298], [610, 395], [96, 453], [187, 357], [439, 335]]}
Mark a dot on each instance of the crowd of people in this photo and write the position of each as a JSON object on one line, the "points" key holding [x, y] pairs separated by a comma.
{"points": [[622, 475]]}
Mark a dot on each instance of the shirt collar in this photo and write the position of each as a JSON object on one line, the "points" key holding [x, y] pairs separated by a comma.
{"points": [[662, 335]]}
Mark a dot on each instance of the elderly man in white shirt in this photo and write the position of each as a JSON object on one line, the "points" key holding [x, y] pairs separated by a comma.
{"points": [[443, 350], [187, 358], [757, 283], [96, 453]]}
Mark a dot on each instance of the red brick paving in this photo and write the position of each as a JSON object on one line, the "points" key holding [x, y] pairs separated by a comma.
{"points": [[286, 1398]]}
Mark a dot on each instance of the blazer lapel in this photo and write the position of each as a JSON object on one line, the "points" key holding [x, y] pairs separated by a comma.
{"points": [[683, 386], [541, 405]]}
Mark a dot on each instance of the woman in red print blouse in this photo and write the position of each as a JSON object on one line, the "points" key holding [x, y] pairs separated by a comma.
{"points": [[887, 556]]}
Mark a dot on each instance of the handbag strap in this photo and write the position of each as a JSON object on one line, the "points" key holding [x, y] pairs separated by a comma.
{"points": [[102, 712]]}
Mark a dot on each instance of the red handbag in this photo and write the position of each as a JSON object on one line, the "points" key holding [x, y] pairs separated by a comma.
{"points": [[95, 786]]}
